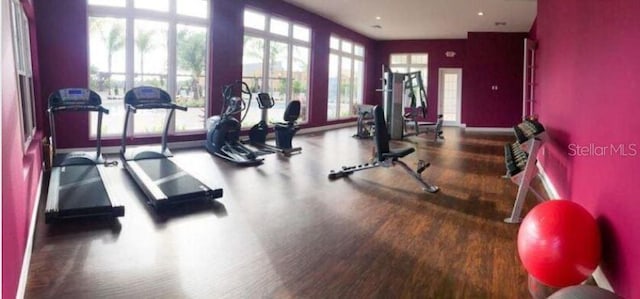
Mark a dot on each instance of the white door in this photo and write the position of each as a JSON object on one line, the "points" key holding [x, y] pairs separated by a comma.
{"points": [[449, 95]]}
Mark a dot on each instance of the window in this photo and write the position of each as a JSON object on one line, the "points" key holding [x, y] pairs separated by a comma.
{"points": [[346, 75], [409, 63], [22, 56], [162, 43], [275, 59]]}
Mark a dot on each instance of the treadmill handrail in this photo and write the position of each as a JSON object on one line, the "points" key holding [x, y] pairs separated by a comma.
{"points": [[131, 108], [78, 108], [157, 106]]}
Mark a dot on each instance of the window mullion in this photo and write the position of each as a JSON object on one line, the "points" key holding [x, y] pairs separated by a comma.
{"points": [[289, 65], [172, 59], [289, 74], [265, 65], [352, 79], [129, 58], [339, 99], [266, 61]]}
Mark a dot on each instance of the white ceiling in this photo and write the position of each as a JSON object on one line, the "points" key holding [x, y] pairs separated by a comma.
{"points": [[424, 19]]}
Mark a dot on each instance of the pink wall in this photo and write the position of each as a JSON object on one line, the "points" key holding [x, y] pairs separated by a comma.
{"points": [[66, 40], [587, 93], [492, 59], [437, 59], [487, 58], [20, 170]]}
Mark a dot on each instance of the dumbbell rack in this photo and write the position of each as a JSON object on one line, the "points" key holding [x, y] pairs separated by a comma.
{"points": [[520, 160]]}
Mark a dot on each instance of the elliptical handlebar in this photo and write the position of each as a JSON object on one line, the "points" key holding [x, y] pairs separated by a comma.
{"points": [[234, 104]]}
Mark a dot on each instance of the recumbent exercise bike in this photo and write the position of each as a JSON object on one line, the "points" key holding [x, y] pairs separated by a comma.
{"points": [[284, 131]]}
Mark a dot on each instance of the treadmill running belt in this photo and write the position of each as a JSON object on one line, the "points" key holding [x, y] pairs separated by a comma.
{"points": [[81, 187], [170, 178]]}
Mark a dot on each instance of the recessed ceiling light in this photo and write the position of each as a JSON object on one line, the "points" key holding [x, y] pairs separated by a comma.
{"points": [[378, 18], [481, 13]]}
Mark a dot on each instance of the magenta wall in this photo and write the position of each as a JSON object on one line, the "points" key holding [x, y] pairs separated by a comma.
{"points": [[492, 59], [20, 170], [588, 93], [63, 63], [437, 59], [65, 39], [486, 59]]}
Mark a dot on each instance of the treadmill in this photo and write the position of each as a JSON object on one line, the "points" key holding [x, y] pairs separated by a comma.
{"points": [[152, 168], [78, 186]]}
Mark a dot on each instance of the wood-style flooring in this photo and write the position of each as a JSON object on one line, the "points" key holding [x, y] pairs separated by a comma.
{"points": [[283, 230]]}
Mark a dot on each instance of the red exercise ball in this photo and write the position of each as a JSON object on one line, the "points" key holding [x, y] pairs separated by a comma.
{"points": [[559, 243]]}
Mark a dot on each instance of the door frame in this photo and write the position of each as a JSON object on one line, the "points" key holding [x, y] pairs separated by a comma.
{"points": [[441, 73]]}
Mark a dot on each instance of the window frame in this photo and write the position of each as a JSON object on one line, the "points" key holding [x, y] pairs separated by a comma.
{"points": [[171, 17], [21, 39], [353, 56], [291, 42], [409, 65]]}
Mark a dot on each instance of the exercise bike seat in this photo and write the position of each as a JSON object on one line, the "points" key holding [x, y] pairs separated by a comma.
{"points": [[291, 114]]}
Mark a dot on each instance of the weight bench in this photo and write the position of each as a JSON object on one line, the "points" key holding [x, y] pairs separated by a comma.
{"points": [[385, 157]]}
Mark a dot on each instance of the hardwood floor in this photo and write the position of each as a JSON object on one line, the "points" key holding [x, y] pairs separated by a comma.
{"points": [[283, 230]]}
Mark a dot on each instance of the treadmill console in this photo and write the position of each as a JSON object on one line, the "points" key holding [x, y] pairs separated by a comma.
{"points": [[74, 97], [147, 95]]}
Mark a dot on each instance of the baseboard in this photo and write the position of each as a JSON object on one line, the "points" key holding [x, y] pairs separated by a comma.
{"points": [[26, 261], [489, 130], [326, 128], [200, 143], [551, 190], [601, 280], [116, 149], [599, 276]]}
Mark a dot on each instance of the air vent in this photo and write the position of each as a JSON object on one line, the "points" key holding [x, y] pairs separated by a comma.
{"points": [[376, 26]]}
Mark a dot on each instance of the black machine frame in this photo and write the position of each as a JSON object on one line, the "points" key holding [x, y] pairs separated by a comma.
{"points": [[162, 181], [386, 157], [284, 131], [223, 131], [396, 87], [78, 184]]}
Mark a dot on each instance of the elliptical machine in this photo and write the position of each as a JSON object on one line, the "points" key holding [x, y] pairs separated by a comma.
{"points": [[223, 131], [284, 131]]}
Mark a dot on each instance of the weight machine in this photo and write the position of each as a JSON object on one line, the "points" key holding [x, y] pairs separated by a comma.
{"points": [[365, 125], [399, 88]]}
